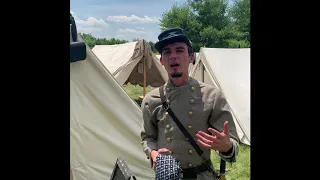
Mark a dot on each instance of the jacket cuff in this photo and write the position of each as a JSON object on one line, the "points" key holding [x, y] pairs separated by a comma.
{"points": [[230, 156], [148, 152]]}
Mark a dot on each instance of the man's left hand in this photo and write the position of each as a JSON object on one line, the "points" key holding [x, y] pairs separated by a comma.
{"points": [[220, 141]]}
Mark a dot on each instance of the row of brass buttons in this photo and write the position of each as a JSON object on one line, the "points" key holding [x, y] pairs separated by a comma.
{"points": [[190, 113]]}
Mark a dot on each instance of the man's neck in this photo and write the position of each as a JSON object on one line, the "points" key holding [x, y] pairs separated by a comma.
{"points": [[179, 81]]}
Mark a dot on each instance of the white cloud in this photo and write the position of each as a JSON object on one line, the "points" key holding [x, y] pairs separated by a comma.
{"points": [[133, 19], [100, 28], [91, 25], [74, 15], [130, 34], [140, 28], [130, 31]]}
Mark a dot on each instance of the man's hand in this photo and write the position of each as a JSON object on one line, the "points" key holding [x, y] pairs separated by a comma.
{"points": [[154, 155], [220, 142]]}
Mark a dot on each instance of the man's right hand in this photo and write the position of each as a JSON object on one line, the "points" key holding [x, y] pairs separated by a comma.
{"points": [[155, 153]]}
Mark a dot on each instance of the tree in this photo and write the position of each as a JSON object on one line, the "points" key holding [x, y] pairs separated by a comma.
{"points": [[182, 16], [92, 41], [89, 39], [152, 47], [210, 23], [240, 14]]}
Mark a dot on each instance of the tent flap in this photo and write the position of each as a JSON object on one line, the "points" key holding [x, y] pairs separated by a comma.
{"points": [[99, 130]]}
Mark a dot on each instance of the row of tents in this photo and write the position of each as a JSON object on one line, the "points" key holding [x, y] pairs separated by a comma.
{"points": [[227, 69], [105, 123]]}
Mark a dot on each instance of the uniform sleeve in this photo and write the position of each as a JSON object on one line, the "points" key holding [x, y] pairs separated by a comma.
{"points": [[149, 131], [221, 113]]}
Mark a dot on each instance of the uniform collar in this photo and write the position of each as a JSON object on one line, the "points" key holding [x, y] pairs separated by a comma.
{"points": [[171, 85]]}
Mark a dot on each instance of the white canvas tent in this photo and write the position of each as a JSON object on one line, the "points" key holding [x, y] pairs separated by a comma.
{"points": [[196, 54], [105, 124], [229, 70], [126, 63]]}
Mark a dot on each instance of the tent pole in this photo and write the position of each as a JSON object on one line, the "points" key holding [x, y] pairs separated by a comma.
{"points": [[202, 72], [144, 76]]}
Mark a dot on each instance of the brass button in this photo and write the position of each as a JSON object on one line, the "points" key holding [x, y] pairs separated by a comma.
{"points": [[167, 126], [168, 139], [190, 113], [189, 127], [190, 151], [191, 101], [166, 113], [190, 165], [170, 152], [193, 89]]}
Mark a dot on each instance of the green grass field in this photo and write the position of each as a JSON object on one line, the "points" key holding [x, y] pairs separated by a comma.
{"points": [[238, 171]]}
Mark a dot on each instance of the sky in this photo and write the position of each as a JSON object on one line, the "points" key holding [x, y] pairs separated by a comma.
{"points": [[120, 19]]}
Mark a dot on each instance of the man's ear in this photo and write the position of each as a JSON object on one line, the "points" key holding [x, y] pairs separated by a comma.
{"points": [[191, 60], [161, 62]]}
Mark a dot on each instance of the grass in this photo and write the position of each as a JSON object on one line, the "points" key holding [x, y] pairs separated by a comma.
{"points": [[135, 91], [238, 171]]}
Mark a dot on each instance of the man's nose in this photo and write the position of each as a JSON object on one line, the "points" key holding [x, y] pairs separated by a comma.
{"points": [[173, 55]]}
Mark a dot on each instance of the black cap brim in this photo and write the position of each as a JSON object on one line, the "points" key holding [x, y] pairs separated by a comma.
{"points": [[160, 44]]}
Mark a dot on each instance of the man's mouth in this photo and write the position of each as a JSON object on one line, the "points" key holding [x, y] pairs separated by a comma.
{"points": [[175, 66]]}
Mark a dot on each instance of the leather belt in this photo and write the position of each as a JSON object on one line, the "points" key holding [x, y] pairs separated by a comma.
{"points": [[191, 173]]}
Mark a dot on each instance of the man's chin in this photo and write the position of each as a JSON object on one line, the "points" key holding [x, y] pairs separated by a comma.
{"points": [[176, 75]]}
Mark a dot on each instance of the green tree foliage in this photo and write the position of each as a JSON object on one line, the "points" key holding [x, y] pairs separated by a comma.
{"points": [[240, 13], [92, 41], [182, 16], [211, 23], [152, 47]]}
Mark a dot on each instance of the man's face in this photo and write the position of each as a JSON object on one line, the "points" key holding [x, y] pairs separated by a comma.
{"points": [[176, 59]]}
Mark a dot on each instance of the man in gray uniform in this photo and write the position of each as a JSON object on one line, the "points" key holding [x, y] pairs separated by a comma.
{"points": [[201, 108]]}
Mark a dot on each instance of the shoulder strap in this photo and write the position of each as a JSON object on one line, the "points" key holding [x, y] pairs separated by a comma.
{"points": [[175, 119]]}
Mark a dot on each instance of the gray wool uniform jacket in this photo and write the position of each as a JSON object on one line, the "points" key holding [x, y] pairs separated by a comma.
{"points": [[198, 106]]}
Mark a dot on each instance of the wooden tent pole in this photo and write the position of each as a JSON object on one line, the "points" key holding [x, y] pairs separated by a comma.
{"points": [[144, 76]]}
